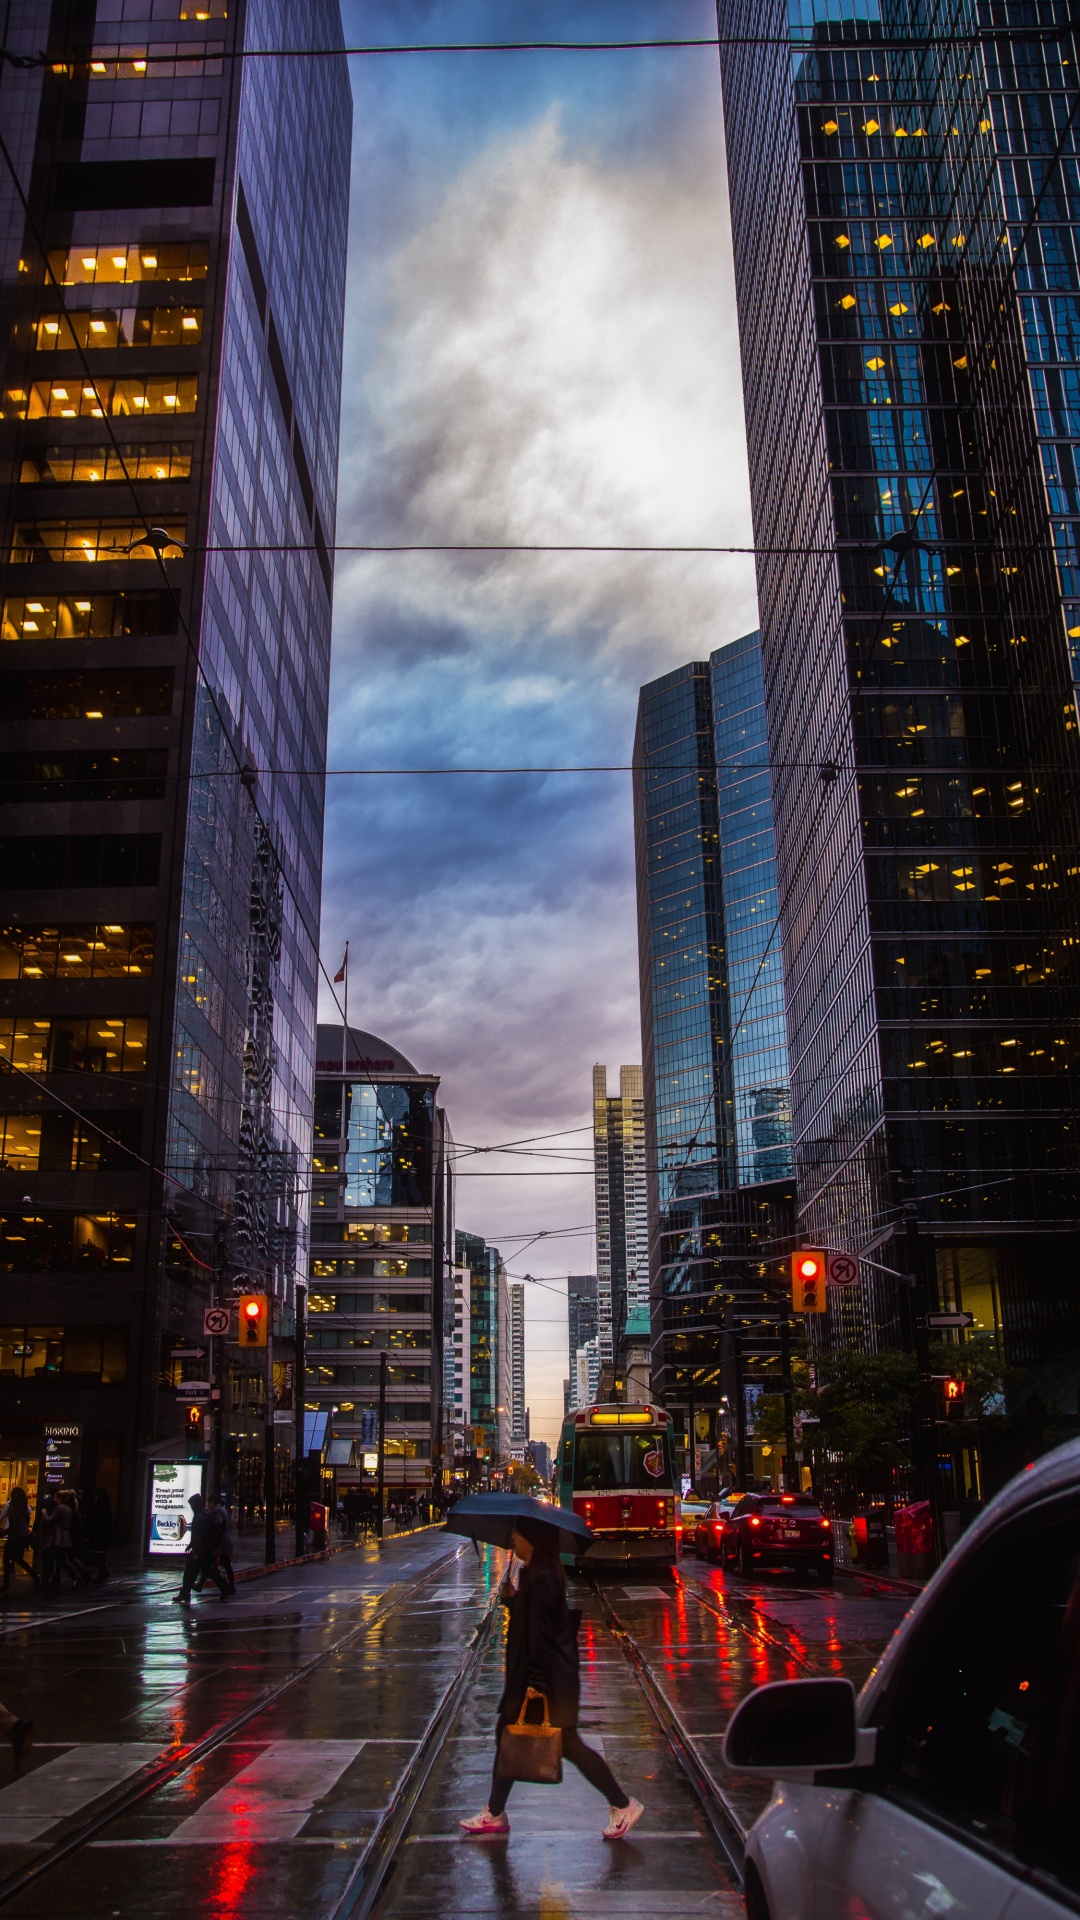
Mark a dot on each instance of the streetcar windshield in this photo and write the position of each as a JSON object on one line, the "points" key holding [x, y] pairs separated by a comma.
{"points": [[608, 1461]]}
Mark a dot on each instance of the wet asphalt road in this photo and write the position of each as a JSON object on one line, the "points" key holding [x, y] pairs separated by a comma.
{"points": [[273, 1821]]}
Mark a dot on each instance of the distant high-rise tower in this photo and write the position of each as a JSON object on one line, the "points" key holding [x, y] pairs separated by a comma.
{"points": [[622, 1224], [580, 1312], [515, 1295], [171, 311]]}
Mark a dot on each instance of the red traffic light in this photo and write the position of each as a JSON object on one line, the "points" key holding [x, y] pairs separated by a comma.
{"points": [[194, 1419], [954, 1389], [254, 1317], [808, 1280]]}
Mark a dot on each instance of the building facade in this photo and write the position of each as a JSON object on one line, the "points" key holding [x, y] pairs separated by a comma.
{"points": [[381, 1255], [581, 1312], [485, 1365], [515, 1300], [622, 1224], [905, 233], [170, 407], [717, 1146]]}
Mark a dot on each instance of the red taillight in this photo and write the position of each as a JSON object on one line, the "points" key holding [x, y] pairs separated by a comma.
{"points": [[827, 1524], [718, 1527], [787, 1499], [754, 1521]]}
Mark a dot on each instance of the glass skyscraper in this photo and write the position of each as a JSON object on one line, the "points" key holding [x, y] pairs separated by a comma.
{"points": [[717, 1129], [486, 1362], [622, 1222], [173, 296], [904, 201]]}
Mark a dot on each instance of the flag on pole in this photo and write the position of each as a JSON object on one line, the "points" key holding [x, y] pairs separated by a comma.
{"points": [[344, 967]]}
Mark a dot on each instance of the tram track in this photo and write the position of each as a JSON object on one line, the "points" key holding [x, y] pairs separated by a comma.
{"points": [[171, 1764]]}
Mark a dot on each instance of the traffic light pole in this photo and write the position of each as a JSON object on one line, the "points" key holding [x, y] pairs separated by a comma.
{"points": [[788, 1389], [270, 1553], [925, 1405], [299, 1456]]}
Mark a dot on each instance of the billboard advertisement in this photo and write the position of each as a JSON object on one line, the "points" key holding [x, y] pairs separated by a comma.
{"points": [[171, 1487]]}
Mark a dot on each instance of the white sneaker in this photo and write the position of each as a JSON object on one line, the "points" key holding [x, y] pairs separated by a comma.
{"points": [[486, 1822], [622, 1819]]}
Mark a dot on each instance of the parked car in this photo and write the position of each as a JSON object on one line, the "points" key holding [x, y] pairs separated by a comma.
{"points": [[949, 1784], [778, 1530], [693, 1511], [711, 1528]]}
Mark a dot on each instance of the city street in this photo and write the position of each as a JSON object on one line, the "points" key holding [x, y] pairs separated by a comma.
{"points": [[251, 1757]]}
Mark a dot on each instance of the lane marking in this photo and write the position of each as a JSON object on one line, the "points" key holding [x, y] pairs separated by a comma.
{"points": [[645, 1593], [53, 1619], [272, 1798], [33, 1804]]}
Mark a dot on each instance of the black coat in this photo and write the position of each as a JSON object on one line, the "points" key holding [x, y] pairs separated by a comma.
{"points": [[541, 1647]]}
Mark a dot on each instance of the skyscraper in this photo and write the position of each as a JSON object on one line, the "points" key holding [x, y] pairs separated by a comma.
{"points": [[622, 1223], [905, 257], [381, 1252], [719, 1182], [515, 1297], [170, 420], [484, 1364], [581, 1312]]}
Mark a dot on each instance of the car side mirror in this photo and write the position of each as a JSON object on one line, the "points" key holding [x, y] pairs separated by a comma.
{"points": [[796, 1728]]}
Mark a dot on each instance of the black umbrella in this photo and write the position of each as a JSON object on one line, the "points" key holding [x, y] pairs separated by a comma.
{"points": [[492, 1517]]}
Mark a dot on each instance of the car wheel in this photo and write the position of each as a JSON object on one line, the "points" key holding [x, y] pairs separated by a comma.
{"points": [[744, 1560], [757, 1907]]}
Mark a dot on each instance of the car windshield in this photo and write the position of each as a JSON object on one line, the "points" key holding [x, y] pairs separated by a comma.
{"points": [[608, 1461]]}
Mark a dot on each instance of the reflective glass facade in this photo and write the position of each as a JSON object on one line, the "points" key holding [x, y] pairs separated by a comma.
{"points": [[169, 715], [904, 223], [485, 1362], [717, 1244], [622, 1215], [380, 1257]]}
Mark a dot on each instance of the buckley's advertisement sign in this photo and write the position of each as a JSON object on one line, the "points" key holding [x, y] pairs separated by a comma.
{"points": [[172, 1485]]}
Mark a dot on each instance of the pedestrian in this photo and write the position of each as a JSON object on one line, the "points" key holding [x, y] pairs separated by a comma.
{"points": [[541, 1652], [16, 1519], [199, 1560], [56, 1541], [219, 1512], [19, 1733]]}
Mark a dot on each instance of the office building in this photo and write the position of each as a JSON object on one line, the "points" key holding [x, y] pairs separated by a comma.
{"points": [[455, 1368], [622, 1228], [716, 1103], [906, 268], [585, 1386], [486, 1366], [170, 400], [381, 1256], [581, 1313], [540, 1454], [515, 1297]]}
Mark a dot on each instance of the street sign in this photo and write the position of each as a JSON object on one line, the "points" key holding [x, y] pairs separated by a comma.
{"points": [[283, 1416], [193, 1390], [842, 1270], [187, 1353], [950, 1319], [216, 1321]]}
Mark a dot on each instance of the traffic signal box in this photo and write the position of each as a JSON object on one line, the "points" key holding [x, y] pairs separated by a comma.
{"points": [[808, 1280], [254, 1319], [193, 1422]]}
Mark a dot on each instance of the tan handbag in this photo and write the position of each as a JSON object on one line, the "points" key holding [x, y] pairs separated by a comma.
{"points": [[531, 1750]]}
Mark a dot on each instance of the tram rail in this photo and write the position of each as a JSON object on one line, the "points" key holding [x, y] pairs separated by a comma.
{"points": [[170, 1764]]}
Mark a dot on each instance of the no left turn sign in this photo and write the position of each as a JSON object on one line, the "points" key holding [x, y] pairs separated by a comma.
{"points": [[842, 1270], [216, 1321]]}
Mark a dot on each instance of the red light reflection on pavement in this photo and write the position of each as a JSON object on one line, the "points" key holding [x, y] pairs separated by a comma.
{"points": [[235, 1870]]}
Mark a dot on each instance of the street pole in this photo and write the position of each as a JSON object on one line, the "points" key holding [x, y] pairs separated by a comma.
{"points": [[270, 1551], [740, 1412], [788, 1390], [381, 1492], [300, 1470], [691, 1452], [217, 1372], [925, 1407]]}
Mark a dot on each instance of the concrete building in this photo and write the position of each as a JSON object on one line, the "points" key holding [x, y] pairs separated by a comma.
{"points": [[486, 1366], [519, 1425], [381, 1252], [622, 1224], [171, 312], [581, 1311]]}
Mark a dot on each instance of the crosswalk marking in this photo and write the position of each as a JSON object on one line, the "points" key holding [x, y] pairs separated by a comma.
{"points": [[443, 1594], [271, 1798], [30, 1806], [646, 1593]]}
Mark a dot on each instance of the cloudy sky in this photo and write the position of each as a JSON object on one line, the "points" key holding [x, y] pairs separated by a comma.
{"points": [[540, 347]]}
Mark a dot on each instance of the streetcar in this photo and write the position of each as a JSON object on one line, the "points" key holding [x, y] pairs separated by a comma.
{"points": [[617, 1470]]}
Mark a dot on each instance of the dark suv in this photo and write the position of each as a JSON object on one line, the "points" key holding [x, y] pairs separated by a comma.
{"points": [[778, 1530]]}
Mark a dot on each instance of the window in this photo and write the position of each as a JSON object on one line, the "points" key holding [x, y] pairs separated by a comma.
{"points": [[78, 950], [101, 265], [68, 1356], [37, 1243], [95, 1045], [983, 1729], [87, 616], [71, 399], [131, 774], [119, 327], [93, 539], [608, 1461], [59, 466], [128, 693]]}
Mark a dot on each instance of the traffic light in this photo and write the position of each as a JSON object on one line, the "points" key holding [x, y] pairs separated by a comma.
{"points": [[253, 1319], [954, 1392], [808, 1280], [193, 1422]]}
